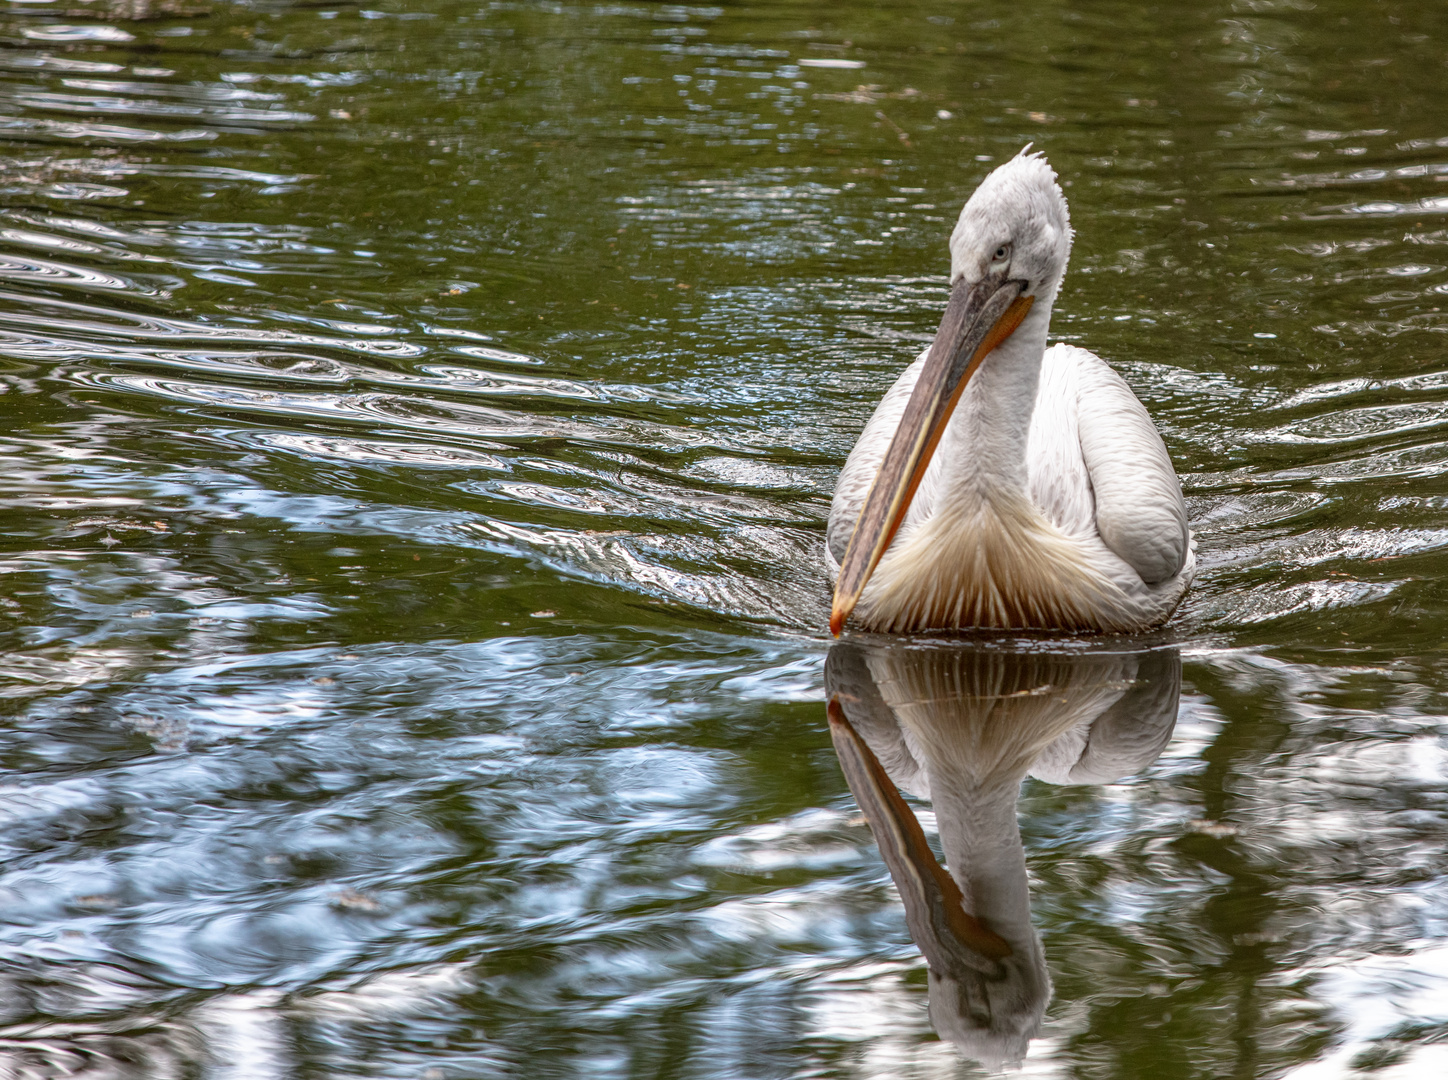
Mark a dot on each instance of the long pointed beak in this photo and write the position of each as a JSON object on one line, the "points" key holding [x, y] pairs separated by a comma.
{"points": [[977, 319]]}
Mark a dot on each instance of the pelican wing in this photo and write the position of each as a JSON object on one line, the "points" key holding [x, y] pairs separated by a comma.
{"points": [[1140, 514]]}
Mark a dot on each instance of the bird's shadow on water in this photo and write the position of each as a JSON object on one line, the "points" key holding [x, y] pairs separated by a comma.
{"points": [[961, 723]]}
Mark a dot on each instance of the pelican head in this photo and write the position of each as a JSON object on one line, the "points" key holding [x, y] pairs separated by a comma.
{"points": [[1015, 227], [1008, 251]]}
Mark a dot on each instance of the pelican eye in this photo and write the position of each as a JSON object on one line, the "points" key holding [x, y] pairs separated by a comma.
{"points": [[1002, 253]]}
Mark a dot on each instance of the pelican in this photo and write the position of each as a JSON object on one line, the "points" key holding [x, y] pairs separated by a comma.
{"points": [[1000, 483], [962, 728]]}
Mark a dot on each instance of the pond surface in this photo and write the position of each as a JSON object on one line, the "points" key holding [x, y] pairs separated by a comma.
{"points": [[419, 424]]}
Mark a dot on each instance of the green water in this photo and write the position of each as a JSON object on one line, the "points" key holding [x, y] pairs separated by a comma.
{"points": [[418, 429]]}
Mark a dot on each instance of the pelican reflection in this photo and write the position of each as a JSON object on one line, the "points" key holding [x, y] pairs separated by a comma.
{"points": [[962, 726]]}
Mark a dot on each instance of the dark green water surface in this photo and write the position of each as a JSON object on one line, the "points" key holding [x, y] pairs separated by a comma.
{"points": [[418, 425]]}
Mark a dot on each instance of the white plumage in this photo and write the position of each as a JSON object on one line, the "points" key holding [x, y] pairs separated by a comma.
{"points": [[1049, 501]]}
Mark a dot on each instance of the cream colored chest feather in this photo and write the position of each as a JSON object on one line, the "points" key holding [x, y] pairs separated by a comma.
{"points": [[991, 565]]}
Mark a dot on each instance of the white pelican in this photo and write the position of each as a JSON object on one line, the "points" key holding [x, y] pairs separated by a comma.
{"points": [[1001, 484], [962, 728]]}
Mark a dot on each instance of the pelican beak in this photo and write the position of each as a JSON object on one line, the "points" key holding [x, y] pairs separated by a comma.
{"points": [[978, 318]]}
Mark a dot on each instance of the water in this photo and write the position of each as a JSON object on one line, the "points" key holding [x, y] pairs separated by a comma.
{"points": [[419, 425]]}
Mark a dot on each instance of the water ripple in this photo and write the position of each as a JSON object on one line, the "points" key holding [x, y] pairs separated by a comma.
{"points": [[419, 435]]}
